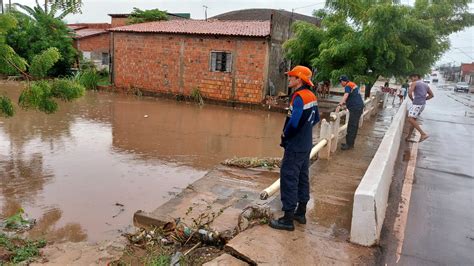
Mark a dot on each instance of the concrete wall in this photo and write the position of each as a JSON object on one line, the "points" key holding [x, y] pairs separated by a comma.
{"points": [[177, 64], [371, 196], [278, 65]]}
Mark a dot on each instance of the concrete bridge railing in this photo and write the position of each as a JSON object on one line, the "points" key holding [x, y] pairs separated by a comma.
{"points": [[371, 196], [330, 134]]}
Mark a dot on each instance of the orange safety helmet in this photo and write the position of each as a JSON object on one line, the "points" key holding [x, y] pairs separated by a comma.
{"points": [[303, 73]]}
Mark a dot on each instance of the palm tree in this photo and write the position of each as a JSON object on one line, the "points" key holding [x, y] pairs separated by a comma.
{"points": [[67, 7]]}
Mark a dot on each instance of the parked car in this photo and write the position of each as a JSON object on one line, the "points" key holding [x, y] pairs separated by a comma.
{"points": [[426, 81], [435, 80], [462, 86]]}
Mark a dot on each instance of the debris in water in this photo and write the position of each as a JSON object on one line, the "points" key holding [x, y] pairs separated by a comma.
{"points": [[18, 222], [253, 162], [146, 116], [252, 215]]}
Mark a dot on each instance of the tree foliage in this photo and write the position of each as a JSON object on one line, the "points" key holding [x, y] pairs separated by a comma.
{"points": [[37, 31], [42, 63], [41, 95], [10, 62], [141, 16], [366, 39]]}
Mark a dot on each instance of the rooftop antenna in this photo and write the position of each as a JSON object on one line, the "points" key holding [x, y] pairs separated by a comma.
{"points": [[205, 11]]}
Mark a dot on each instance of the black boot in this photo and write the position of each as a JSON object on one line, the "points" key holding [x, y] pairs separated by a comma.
{"points": [[346, 147], [284, 223], [300, 213]]}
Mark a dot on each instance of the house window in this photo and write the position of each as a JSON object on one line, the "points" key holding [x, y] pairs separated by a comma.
{"points": [[221, 61], [86, 55], [105, 59]]}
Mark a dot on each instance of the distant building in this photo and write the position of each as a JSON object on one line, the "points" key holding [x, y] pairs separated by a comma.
{"points": [[467, 73], [229, 59], [121, 19], [93, 41]]}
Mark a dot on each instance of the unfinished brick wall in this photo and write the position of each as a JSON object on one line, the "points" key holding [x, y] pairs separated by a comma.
{"points": [[119, 21], [177, 64]]}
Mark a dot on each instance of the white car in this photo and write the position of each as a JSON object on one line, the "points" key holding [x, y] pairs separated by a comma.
{"points": [[462, 86]]}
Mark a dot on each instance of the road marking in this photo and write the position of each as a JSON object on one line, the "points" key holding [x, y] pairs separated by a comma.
{"points": [[404, 205]]}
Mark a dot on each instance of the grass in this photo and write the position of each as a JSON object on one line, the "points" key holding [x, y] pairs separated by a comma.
{"points": [[19, 249], [197, 96]]}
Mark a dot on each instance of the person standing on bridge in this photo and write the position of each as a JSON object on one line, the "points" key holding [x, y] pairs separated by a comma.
{"points": [[354, 103], [419, 93], [297, 140]]}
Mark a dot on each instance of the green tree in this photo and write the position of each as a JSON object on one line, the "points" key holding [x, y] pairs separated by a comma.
{"points": [[40, 95], [37, 31], [42, 63], [366, 39], [141, 16]]}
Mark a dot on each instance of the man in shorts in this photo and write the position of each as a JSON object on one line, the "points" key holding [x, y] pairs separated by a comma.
{"points": [[419, 93]]}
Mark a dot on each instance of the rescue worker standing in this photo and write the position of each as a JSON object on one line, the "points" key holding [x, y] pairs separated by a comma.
{"points": [[354, 103], [297, 140]]}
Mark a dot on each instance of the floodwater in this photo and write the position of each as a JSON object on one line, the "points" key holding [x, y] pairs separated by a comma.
{"points": [[73, 170]]}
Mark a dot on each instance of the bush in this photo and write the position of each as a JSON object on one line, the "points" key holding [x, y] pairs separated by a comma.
{"points": [[67, 90], [88, 78]]}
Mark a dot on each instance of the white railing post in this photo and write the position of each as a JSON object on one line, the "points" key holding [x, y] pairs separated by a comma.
{"points": [[335, 130], [325, 152]]}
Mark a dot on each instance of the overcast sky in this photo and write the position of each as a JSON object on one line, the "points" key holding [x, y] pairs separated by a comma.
{"points": [[96, 11]]}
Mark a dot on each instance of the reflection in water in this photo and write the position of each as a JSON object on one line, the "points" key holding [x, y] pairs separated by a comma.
{"points": [[69, 169]]}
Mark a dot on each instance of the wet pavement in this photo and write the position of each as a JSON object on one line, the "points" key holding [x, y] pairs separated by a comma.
{"points": [[324, 239], [73, 170], [440, 224]]}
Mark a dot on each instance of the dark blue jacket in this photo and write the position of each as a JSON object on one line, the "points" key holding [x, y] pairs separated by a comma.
{"points": [[302, 116]]}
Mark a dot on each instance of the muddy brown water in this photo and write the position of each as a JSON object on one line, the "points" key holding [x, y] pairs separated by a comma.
{"points": [[69, 169]]}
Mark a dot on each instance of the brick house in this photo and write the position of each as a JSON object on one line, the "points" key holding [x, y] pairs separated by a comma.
{"points": [[467, 73], [225, 60], [93, 41]]}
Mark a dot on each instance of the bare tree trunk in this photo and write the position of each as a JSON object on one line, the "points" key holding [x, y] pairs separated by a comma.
{"points": [[46, 6], [1, 2]]}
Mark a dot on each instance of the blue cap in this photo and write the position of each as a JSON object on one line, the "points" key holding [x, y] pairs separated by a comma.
{"points": [[343, 78]]}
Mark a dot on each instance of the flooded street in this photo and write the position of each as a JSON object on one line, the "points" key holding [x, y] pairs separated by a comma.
{"points": [[73, 170]]}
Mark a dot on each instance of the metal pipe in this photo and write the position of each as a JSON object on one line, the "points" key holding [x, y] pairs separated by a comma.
{"points": [[269, 191]]}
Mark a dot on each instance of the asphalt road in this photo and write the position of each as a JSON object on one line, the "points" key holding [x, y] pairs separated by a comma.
{"points": [[440, 225]]}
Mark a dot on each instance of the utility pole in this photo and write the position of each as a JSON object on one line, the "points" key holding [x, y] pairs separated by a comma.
{"points": [[1, 2], [205, 11]]}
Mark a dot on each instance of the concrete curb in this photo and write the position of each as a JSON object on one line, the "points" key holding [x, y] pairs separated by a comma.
{"points": [[371, 196]]}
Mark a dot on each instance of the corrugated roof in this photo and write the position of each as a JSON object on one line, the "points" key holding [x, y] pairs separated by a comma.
{"points": [[83, 33], [210, 27]]}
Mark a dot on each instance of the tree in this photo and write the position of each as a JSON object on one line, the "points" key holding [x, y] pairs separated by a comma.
{"points": [[141, 16], [37, 31], [40, 95], [366, 39]]}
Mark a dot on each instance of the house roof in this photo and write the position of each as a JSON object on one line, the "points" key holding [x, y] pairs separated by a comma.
{"points": [[84, 33], [170, 15], [209, 27], [263, 14]]}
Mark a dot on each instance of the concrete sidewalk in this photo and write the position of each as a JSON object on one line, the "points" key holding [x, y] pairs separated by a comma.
{"points": [[439, 228], [324, 239]]}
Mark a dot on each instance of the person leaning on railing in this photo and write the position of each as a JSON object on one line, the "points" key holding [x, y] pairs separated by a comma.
{"points": [[297, 140], [354, 103]]}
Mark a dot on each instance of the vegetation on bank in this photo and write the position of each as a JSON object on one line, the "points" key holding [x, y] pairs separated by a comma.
{"points": [[37, 45]]}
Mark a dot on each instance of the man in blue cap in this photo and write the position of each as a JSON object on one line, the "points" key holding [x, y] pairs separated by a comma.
{"points": [[354, 103]]}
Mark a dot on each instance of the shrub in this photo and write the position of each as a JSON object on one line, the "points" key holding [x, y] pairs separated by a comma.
{"points": [[67, 90], [88, 78]]}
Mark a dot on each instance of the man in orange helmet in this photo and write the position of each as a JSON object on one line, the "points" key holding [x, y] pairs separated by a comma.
{"points": [[354, 103], [297, 140]]}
